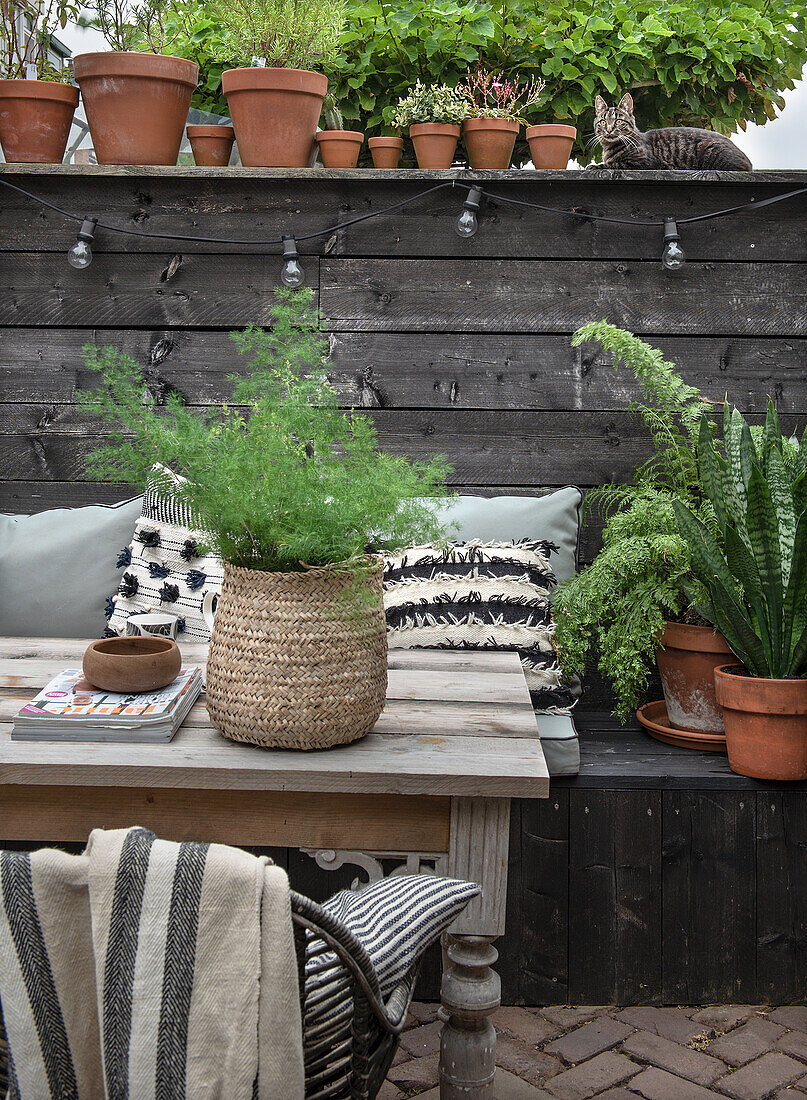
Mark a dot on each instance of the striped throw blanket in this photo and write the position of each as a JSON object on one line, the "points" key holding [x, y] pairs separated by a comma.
{"points": [[148, 970]]}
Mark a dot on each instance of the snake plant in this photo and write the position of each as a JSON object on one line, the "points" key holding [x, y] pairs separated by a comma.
{"points": [[756, 581]]}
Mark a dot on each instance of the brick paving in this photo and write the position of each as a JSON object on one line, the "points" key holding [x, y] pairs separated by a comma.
{"points": [[729, 1052]]}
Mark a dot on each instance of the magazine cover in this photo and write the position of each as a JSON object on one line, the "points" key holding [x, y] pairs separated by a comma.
{"points": [[70, 696]]}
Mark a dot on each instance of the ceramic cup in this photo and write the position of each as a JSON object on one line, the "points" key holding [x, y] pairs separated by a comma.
{"points": [[209, 606], [156, 623]]}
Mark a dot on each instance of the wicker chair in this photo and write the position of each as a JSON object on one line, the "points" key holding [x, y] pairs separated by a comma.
{"points": [[350, 1034]]}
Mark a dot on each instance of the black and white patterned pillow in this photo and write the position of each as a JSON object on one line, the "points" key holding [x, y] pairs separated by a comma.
{"points": [[166, 567], [474, 595]]}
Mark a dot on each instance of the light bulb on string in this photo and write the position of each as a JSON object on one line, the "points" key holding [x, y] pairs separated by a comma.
{"points": [[467, 222], [80, 255], [291, 273], [672, 258]]}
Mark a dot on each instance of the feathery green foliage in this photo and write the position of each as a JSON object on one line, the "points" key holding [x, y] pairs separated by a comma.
{"points": [[642, 578], [293, 34], [281, 478], [755, 574]]}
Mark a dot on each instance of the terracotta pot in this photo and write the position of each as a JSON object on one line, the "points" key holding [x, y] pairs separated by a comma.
{"points": [[551, 144], [766, 724], [136, 103], [435, 143], [490, 141], [340, 148], [275, 114], [687, 657], [35, 120], [211, 145], [132, 664], [385, 151]]}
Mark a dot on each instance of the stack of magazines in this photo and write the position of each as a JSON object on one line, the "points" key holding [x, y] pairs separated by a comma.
{"points": [[70, 709]]}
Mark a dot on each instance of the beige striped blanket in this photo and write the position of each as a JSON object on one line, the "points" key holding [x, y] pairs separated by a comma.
{"points": [[148, 970]]}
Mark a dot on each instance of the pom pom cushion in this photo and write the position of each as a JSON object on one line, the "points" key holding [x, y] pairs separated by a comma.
{"points": [[57, 569]]}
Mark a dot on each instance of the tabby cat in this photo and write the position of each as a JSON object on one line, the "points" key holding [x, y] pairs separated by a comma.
{"points": [[625, 146]]}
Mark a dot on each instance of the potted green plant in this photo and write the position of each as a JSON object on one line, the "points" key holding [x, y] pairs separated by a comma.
{"points": [[275, 104], [755, 580], [433, 113], [338, 148], [638, 602], [495, 114], [135, 95], [290, 492], [37, 100]]}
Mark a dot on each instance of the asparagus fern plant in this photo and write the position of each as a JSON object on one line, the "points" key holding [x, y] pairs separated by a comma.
{"points": [[755, 573]]}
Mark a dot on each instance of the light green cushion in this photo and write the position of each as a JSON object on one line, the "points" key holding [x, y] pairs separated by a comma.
{"points": [[58, 567]]}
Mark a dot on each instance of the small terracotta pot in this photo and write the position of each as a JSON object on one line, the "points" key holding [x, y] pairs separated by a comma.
{"points": [[275, 114], [211, 145], [551, 144], [687, 657], [490, 141], [132, 664], [35, 120], [766, 724], [136, 103], [385, 151], [435, 143], [340, 148]]}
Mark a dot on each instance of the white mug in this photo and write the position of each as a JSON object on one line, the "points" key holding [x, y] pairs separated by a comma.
{"points": [[156, 623], [209, 607]]}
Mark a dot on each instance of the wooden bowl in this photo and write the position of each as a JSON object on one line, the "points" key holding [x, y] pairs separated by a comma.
{"points": [[127, 665]]}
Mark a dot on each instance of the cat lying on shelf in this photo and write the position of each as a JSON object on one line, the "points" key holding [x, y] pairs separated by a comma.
{"points": [[625, 146]]}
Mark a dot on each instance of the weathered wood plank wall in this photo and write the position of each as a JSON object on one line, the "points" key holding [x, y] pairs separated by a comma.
{"points": [[462, 346]]}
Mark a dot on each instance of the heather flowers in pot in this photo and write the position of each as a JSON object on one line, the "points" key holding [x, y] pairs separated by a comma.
{"points": [[496, 108], [136, 95], [290, 492], [275, 103], [433, 113], [37, 102]]}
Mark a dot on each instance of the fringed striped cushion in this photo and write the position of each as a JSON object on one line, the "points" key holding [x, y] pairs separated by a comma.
{"points": [[474, 595]]}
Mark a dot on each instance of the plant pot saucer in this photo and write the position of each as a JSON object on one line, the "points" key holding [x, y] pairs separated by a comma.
{"points": [[653, 717]]}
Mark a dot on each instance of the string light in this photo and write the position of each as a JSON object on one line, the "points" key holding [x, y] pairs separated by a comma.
{"points": [[467, 223], [291, 273], [80, 255], [672, 258]]}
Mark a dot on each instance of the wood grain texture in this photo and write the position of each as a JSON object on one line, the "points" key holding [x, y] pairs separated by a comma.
{"points": [[480, 837], [709, 881], [540, 912], [781, 896]]}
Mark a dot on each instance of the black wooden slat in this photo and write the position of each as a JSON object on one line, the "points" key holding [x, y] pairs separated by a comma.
{"points": [[173, 288], [442, 370], [614, 896], [506, 296], [709, 876], [781, 897], [542, 905]]}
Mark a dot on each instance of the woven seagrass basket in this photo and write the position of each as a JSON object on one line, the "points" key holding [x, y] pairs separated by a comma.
{"points": [[294, 662]]}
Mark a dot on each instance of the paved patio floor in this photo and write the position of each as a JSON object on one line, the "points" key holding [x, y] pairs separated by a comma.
{"points": [[564, 1053]]}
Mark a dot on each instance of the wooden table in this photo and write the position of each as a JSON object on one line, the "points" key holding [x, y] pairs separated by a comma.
{"points": [[430, 787]]}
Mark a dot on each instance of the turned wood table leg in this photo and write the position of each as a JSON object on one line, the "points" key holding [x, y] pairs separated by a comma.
{"points": [[471, 992]]}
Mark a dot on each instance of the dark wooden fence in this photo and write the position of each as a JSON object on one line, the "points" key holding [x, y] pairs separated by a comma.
{"points": [[668, 887]]}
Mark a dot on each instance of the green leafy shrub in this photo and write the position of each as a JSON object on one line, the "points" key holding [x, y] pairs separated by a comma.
{"points": [[755, 574], [294, 34], [281, 478], [642, 577], [24, 42], [430, 103]]}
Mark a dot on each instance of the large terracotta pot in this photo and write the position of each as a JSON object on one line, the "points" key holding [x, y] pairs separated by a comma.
{"points": [[687, 657], [211, 145], [385, 151], [551, 144], [766, 724], [136, 103], [35, 120], [340, 148], [490, 141], [275, 114], [435, 143]]}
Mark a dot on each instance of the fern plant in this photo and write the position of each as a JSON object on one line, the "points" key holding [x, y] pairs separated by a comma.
{"points": [[281, 478], [642, 578]]}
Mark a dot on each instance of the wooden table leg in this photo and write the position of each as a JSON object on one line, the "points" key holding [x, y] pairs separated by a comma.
{"points": [[471, 992]]}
